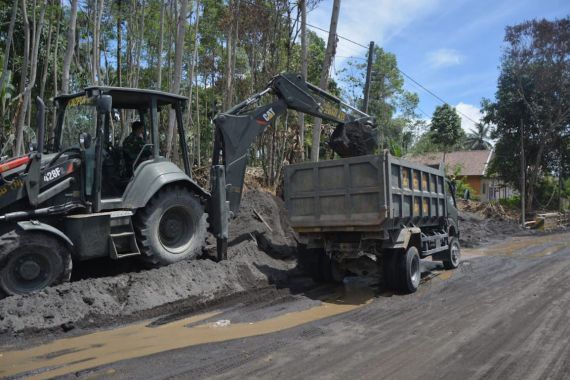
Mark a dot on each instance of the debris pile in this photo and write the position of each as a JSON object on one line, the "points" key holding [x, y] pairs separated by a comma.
{"points": [[260, 238], [489, 210]]}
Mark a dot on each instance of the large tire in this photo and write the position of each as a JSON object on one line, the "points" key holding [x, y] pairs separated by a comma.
{"points": [[452, 255], [389, 259], [329, 271], [171, 227], [31, 261], [407, 271]]}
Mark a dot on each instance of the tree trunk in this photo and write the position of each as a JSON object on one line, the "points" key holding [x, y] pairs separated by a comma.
{"points": [[33, 73], [55, 60], [324, 80], [8, 44], [160, 47], [69, 49], [96, 75], [119, 46], [177, 73], [303, 6], [229, 74], [46, 63], [139, 46], [193, 63]]}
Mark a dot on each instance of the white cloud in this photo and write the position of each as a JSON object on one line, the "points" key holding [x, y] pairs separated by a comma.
{"points": [[444, 58], [366, 20], [468, 114]]}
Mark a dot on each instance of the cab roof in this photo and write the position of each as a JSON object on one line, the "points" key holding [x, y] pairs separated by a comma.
{"points": [[130, 98]]}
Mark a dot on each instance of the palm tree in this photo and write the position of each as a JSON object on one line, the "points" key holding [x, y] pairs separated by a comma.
{"points": [[478, 139]]}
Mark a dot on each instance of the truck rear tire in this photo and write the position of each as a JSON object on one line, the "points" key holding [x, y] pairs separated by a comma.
{"points": [[31, 261], [452, 255], [171, 227], [327, 270], [407, 272]]}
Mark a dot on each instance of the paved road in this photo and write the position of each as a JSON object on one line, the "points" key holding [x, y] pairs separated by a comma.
{"points": [[505, 314]]}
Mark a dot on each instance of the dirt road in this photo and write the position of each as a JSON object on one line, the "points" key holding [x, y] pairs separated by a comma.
{"points": [[504, 314]]}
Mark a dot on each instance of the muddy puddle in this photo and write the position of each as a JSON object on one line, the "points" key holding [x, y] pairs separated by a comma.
{"points": [[70, 355]]}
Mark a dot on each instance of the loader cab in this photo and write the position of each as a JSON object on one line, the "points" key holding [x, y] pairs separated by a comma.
{"points": [[96, 124]]}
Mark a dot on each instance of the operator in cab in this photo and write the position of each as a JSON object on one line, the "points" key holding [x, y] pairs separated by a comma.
{"points": [[132, 146], [133, 143]]}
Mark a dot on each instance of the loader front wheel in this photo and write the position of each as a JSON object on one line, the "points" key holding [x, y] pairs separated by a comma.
{"points": [[171, 227], [31, 261]]}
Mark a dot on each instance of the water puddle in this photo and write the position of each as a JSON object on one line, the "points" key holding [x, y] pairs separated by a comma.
{"points": [[83, 352]]}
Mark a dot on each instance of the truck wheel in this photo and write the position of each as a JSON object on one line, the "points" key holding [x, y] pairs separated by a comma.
{"points": [[32, 261], [408, 273], [452, 255], [329, 270], [171, 227], [389, 259]]}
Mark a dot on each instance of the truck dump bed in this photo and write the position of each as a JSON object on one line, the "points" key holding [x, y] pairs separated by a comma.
{"points": [[366, 193]]}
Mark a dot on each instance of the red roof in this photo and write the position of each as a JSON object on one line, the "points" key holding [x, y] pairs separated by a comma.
{"points": [[471, 162]]}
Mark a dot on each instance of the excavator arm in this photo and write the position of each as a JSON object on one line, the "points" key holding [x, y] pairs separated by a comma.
{"points": [[237, 128]]}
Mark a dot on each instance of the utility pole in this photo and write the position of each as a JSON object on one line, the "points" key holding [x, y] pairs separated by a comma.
{"points": [[303, 5], [523, 180], [324, 81], [368, 75]]}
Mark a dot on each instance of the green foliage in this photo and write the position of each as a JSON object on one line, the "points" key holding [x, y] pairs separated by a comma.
{"points": [[393, 107], [478, 139], [446, 131], [532, 91], [513, 202]]}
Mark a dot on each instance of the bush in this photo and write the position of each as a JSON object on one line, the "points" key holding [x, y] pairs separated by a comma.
{"points": [[511, 202]]}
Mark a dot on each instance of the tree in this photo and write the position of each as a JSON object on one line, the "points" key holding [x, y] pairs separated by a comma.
{"points": [[478, 139], [69, 50], [533, 92], [177, 73], [323, 82], [445, 128], [393, 107]]}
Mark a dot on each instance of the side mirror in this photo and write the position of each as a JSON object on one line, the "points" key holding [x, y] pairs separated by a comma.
{"points": [[104, 104], [84, 141]]}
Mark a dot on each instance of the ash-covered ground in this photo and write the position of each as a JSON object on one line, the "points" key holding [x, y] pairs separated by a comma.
{"points": [[259, 254], [262, 251]]}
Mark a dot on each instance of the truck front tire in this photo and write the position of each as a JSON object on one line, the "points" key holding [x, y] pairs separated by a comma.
{"points": [[452, 255], [171, 227], [31, 261]]}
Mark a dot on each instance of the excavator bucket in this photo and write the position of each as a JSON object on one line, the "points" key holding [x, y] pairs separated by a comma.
{"points": [[355, 138]]}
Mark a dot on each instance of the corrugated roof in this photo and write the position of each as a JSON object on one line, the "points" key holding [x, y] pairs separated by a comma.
{"points": [[472, 162]]}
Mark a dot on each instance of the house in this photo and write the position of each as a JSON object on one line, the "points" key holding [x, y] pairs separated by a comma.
{"points": [[472, 168]]}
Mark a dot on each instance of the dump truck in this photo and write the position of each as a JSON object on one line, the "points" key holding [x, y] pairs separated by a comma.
{"points": [[373, 214], [78, 195]]}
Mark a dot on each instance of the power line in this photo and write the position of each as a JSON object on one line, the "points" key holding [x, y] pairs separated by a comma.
{"points": [[338, 35], [402, 72]]}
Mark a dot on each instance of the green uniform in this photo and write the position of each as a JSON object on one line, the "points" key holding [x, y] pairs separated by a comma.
{"points": [[132, 147]]}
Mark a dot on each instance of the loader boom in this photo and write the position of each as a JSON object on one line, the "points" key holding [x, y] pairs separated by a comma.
{"points": [[237, 128]]}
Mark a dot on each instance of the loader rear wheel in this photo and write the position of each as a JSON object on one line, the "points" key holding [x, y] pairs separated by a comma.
{"points": [[171, 227], [32, 261]]}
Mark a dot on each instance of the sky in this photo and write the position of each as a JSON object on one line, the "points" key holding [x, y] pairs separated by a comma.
{"points": [[452, 47]]}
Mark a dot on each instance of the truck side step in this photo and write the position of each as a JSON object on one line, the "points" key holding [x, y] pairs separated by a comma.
{"points": [[122, 239]]}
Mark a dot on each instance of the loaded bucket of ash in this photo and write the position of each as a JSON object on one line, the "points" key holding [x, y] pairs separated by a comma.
{"points": [[354, 138]]}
